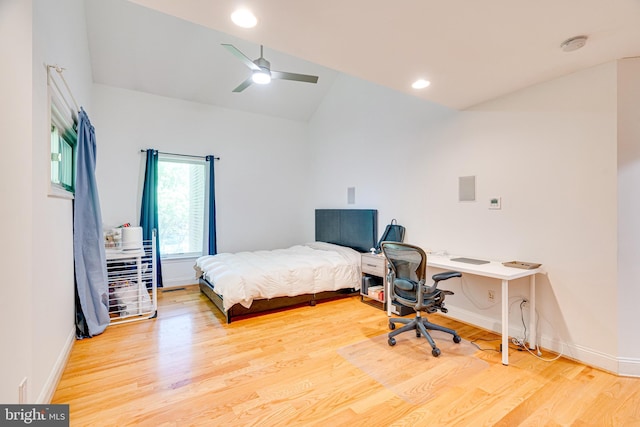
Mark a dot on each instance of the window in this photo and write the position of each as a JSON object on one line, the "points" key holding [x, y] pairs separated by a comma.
{"points": [[64, 136], [181, 206]]}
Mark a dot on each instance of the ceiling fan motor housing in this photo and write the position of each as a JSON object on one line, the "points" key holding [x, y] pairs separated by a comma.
{"points": [[263, 63]]}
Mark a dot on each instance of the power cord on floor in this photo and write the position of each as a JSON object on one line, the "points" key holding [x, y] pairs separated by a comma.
{"points": [[538, 354], [486, 340], [519, 343], [497, 350]]}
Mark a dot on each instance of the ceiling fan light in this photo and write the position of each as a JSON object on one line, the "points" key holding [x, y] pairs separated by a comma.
{"points": [[244, 18], [262, 77], [420, 84]]}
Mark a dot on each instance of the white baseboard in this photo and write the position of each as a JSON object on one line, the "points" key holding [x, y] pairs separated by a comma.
{"points": [[587, 356], [628, 367], [49, 388], [607, 362], [177, 282], [476, 319]]}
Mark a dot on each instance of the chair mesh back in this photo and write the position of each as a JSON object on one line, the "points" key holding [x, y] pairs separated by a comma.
{"points": [[407, 261]]}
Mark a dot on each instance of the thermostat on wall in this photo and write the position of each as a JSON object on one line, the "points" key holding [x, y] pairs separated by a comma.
{"points": [[495, 203]]}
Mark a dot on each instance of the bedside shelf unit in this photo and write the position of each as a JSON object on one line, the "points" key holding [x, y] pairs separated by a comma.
{"points": [[374, 273]]}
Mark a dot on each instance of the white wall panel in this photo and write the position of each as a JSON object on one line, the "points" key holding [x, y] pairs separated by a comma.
{"points": [[59, 38], [629, 213], [16, 315]]}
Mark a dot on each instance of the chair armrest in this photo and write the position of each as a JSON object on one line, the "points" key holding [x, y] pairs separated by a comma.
{"points": [[446, 275]]}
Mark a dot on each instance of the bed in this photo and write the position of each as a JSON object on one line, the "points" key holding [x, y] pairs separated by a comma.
{"points": [[245, 283]]}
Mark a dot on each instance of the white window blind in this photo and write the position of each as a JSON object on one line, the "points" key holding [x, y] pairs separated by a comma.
{"points": [[181, 206]]}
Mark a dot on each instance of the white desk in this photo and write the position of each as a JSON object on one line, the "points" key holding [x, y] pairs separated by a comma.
{"points": [[496, 270]]}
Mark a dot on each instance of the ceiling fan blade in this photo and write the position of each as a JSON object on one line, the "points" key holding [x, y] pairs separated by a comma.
{"points": [[245, 84], [293, 76], [241, 56]]}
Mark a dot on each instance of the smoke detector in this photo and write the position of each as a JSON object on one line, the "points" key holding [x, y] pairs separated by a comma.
{"points": [[574, 43]]}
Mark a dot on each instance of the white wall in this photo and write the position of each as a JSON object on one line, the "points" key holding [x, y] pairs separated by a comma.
{"points": [[628, 213], [261, 179], [364, 136], [59, 37], [38, 287], [15, 210], [549, 151]]}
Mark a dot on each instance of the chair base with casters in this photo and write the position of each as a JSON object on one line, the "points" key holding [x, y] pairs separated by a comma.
{"points": [[421, 325], [407, 271]]}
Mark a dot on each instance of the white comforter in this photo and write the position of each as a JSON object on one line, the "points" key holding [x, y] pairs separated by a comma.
{"points": [[303, 269]]}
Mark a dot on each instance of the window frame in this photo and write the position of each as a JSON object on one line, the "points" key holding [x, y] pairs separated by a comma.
{"points": [[65, 120], [172, 158]]}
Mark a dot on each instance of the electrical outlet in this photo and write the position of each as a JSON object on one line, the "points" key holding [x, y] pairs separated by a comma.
{"points": [[492, 295]]}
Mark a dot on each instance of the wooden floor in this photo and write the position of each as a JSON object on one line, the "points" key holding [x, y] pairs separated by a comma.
{"points": [[188, 367]]}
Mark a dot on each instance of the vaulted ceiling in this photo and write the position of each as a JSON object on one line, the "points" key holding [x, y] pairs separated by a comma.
{"points": [[471, 51]]}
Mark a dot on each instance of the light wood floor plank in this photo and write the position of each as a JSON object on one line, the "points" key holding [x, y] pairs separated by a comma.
{"points": [[188, 367]]}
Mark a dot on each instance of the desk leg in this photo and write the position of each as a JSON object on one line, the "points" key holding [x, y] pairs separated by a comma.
{"points": [[505, 322], [533, 339]]}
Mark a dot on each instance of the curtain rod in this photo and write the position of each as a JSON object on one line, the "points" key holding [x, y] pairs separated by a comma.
{"points": [[182, 155], [60, 70]]}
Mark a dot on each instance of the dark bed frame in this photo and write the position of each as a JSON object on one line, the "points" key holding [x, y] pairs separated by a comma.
{"points": [[354, 228]]}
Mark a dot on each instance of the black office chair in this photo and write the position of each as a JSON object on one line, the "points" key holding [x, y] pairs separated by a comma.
{"points": [[406, 278]]}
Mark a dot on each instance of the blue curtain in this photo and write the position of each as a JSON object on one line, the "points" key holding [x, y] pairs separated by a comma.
{"points": [[149, 209], [213, 247], [92, 303]]}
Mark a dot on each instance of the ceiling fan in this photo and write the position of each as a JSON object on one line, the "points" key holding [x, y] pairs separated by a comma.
{"points": [[262, 72]]}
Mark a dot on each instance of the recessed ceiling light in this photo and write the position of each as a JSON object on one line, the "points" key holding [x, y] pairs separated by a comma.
{"points": [[244, 18], [420, 84]]}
